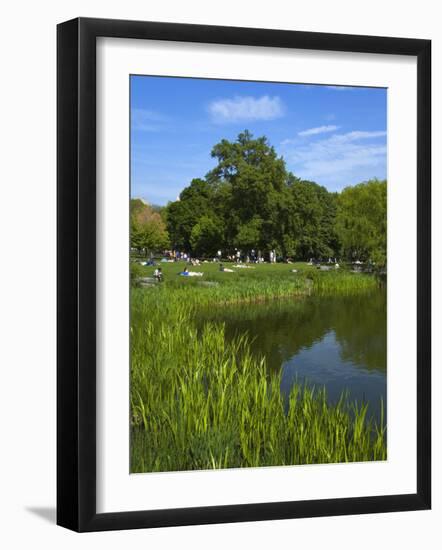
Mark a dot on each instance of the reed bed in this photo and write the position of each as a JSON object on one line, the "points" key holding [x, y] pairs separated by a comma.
{"points": [[342, 282]]}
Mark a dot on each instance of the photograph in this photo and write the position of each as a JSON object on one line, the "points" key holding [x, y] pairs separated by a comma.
{"points": [[258, 274], [224, 330]]}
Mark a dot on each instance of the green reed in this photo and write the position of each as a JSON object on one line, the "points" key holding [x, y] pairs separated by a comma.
{"points": [[342, 282]]}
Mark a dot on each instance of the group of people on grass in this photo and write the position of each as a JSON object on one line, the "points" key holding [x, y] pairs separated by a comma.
{"points": [[253, 256], [238, 257]]}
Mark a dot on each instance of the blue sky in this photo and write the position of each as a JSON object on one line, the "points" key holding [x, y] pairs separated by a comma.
{"points": [[335, 136]]}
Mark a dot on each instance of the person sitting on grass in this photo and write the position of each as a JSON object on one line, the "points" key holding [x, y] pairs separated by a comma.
{"points": [[158, 274], [221, 267]]}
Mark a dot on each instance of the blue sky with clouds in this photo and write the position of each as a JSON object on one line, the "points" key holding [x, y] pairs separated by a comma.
{"points": [[335, 136]]}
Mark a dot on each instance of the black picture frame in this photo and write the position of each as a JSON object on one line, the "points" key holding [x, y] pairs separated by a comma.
{"points": [[76, 274]]}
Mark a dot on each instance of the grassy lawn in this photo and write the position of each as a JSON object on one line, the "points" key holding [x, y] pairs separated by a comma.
{"points": [[263, 281]]}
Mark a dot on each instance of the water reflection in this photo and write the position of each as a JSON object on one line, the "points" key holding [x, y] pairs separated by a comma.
{"points": [[339, 342]]}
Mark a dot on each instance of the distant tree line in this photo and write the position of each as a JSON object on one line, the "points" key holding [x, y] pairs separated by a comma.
{"points": [[251, 201]]}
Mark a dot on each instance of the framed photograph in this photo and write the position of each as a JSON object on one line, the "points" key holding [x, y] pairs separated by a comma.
{"points": [[243, 274]]}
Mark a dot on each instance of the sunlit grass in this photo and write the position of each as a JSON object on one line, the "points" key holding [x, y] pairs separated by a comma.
{"points": [[261, 282]]}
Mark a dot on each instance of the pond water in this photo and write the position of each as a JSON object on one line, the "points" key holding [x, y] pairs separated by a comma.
{"points": [[336, 342]]}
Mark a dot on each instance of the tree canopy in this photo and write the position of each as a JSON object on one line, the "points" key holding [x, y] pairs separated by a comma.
{"points": [[148, 231], [361, 221]]}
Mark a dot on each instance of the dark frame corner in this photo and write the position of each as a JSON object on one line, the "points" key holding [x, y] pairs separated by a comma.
{"points": [[76, 292]]}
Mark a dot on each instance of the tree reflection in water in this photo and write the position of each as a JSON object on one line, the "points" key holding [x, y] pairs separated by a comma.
{"points": [[339, 342]]}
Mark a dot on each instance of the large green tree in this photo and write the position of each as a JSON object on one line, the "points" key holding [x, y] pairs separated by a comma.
{"points": [[148, 230], [249, 200], [251, 177], [361, 221]]}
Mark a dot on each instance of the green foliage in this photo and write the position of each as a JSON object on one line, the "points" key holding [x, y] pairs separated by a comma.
{"points": [[148, 230], [136, 271], [182, 215], [205, 236], [361, 221], [250, 201], [253, 179], [314, 211], [249, 234]]}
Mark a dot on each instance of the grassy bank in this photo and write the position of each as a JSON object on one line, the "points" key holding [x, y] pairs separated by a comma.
{"points": [[261, 282], [199, 401]]}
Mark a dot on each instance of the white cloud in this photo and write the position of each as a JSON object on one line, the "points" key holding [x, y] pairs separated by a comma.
{"points": [[338, 157], [342, 88], [357, 135], [318, 130], [244, 108], [146, 121]]}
